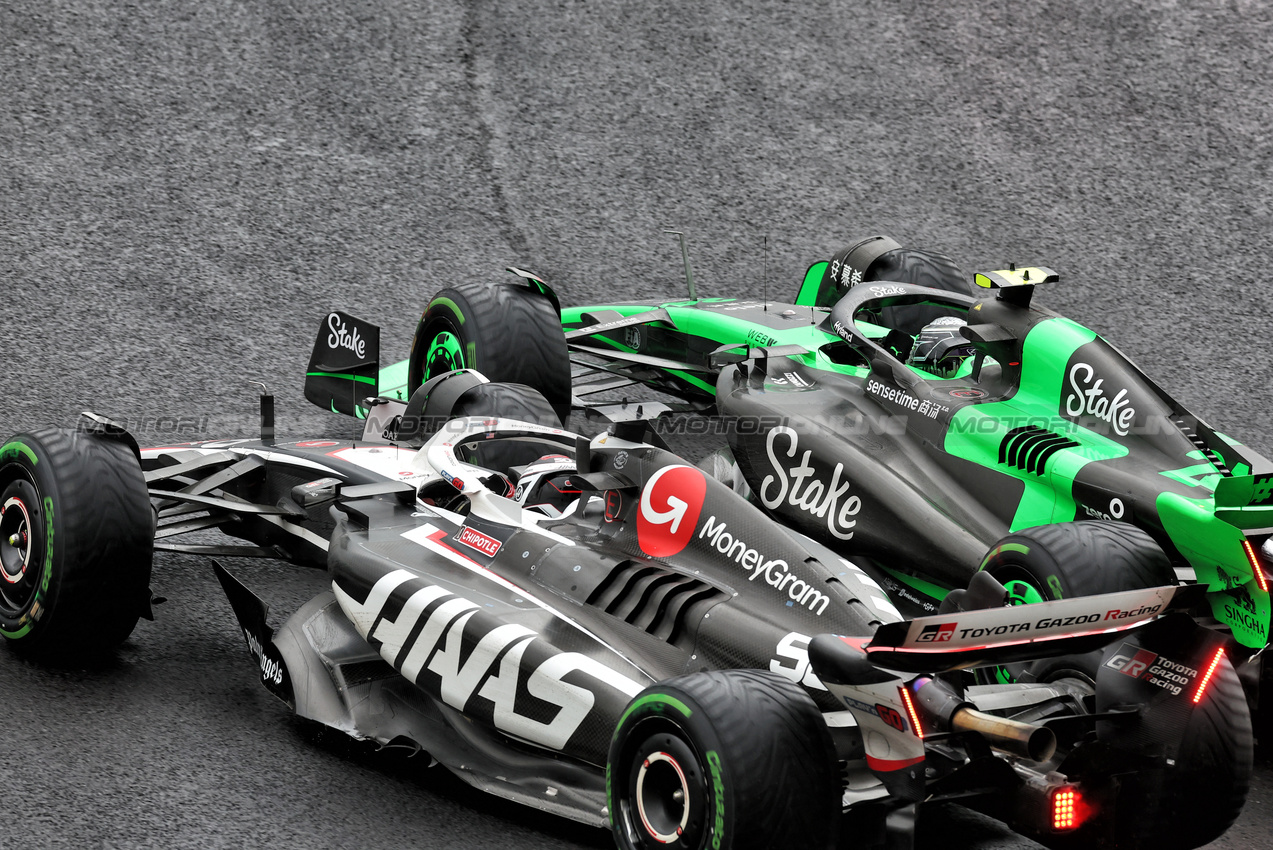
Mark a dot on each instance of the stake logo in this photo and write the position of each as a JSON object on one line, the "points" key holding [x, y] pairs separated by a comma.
{"points": [[342, 337], [796, 486], [1087, 397], [669, 509]]}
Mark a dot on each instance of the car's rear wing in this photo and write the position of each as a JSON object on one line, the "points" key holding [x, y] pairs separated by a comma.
{"points": [[1021, 632], [1245, 501], [345, 365]]}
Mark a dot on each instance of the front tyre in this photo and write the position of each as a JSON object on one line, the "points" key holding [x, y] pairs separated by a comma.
{"points": [[729, 760], [76, 539], [507, 332]]}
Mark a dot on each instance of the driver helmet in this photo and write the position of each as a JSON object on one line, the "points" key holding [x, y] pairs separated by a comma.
{"points": [[939, 347], [548, 485]]}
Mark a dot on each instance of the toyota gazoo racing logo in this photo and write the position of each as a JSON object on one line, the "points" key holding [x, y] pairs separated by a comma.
{"points": [[1087, 396], [669, 509], [796, 485], [936, 633], [1152, 668], [498, 672]]}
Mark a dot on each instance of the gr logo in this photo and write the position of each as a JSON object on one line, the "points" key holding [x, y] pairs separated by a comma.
{"points": [[936, 633], [1132, 662]]}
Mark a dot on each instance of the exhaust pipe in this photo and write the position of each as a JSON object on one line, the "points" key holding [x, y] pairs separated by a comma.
{"points": [[1037, 743], [953, 714]]}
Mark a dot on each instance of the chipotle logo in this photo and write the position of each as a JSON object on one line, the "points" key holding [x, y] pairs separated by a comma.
{"points": [[479, 541], [670, 505]]}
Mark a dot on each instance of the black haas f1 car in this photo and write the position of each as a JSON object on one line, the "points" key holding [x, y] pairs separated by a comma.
{"points": [[594, 627]]}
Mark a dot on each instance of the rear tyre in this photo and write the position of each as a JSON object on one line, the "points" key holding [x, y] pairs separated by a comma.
{"points": [[76, 539], [899, 265], [433, 405], [725, 759], [1203, 793], [1072, 559], [506, 332]]}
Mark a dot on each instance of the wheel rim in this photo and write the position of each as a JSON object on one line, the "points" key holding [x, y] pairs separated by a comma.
{"points": [[1022, 592], [662, 797], [21, 543], [445, 354]]}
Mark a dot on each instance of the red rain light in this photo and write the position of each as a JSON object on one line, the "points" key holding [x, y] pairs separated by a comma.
{"points": [[1206, 677], [1067, 808], [911, 712], [1256, 566]]}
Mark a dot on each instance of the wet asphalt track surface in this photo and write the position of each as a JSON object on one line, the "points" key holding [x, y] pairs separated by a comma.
{"points": [[186, 188]]}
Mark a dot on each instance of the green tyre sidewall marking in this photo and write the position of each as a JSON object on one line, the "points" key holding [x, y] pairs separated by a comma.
{"points": [[12, 449], [450, 305]]}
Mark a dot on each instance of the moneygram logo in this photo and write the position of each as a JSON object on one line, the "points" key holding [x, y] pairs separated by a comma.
{"points": [[669, 509]]}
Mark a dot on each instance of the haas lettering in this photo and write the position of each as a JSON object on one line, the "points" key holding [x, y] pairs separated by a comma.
{"points": [[498, 664], [792, 485]]}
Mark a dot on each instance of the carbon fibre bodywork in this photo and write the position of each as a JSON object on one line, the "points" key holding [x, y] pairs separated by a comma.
{"points": [[920, 473], [541, 630], [508, 644]]}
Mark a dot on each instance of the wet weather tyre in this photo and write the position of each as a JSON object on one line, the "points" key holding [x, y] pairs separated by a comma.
{"points": [[922, 268], [1072, 559], [507, 332], [898, 265], [726, 760], [1203, 794], [76, 540]]}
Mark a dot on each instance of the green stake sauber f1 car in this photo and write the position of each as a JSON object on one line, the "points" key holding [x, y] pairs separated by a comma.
{"points": [[925, 426]]}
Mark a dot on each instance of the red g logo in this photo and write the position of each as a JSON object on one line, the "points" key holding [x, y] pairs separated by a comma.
{"points": [[670, 505]]}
